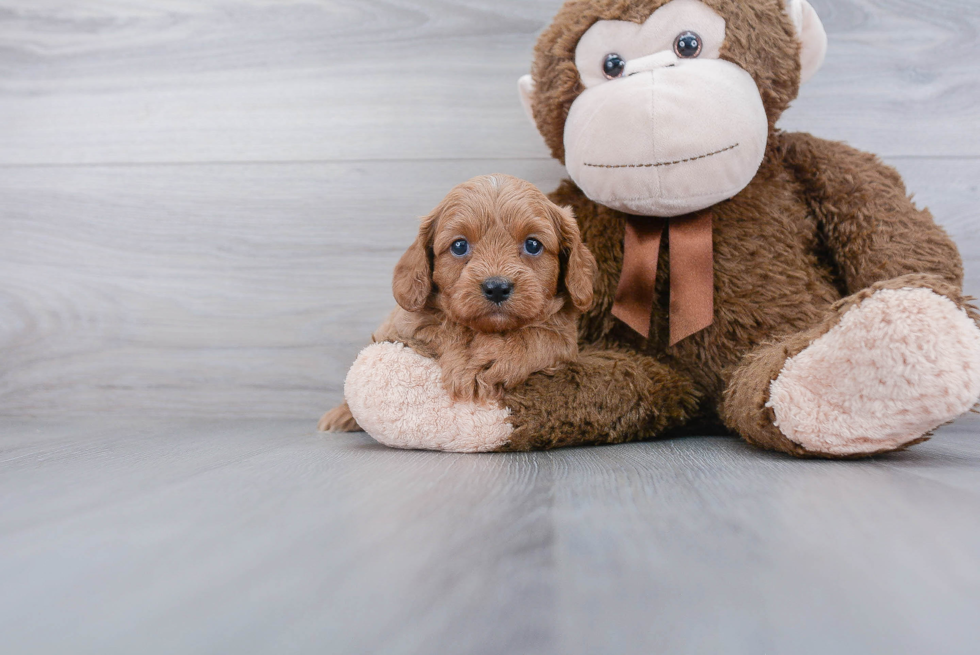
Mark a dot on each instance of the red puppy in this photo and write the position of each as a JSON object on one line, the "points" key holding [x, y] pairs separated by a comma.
{"points": [[492, 289]]}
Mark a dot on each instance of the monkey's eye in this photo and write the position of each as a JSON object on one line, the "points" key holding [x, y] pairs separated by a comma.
{"points": [[460, 248], [613, 66], [533, 247], [687, 45]]}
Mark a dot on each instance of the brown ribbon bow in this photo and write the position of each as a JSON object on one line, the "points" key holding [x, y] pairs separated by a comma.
{"points": [[692, 303]]}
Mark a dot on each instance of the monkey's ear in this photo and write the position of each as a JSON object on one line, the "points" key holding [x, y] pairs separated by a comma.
{"points": [[412, 283], [525, 86], [813, 37], [580, 265]]}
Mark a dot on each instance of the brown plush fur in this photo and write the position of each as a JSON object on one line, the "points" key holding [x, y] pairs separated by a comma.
{"points": [[820, 228], [483, 348]]}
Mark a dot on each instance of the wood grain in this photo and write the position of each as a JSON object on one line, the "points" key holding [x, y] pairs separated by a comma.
{"points": [[106, 81], [204, 290], [239, 290], [891, 83], [224, 80], [201, 202], [258, 536]]}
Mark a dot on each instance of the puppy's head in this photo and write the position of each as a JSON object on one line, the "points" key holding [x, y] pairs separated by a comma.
{"points": [[496, 255]]}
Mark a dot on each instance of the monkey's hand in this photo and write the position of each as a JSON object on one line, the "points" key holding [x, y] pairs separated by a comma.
{"points": [[398, 397]]}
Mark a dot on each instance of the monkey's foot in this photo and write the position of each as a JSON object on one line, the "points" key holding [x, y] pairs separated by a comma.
{"points": [[895, 367], [397, 396]]}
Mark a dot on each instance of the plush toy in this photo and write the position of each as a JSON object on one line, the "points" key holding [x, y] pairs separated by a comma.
{"points": [[776, 284]]}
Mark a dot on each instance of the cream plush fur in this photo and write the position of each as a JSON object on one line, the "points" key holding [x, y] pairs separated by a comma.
{"points": [[397, 396], [686, 159], [874, 383]]}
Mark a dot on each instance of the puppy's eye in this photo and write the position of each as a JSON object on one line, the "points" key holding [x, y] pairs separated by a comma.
{"points": [[533, 247], [687, 45], [613, 66], [460, 247]]}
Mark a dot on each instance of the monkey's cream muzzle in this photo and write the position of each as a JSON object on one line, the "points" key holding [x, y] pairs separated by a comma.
{"points": [[670, 137]]}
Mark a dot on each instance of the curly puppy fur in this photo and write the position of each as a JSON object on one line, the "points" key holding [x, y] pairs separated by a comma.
{"points": [[820, 227], [485, 348]]}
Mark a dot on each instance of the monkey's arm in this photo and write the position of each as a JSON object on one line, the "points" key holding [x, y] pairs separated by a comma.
{"points": [[604, 396], [872, 228]]}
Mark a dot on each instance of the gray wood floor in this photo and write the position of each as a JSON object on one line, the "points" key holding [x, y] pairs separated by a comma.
{"points": [[218, 536], [200, 206]]}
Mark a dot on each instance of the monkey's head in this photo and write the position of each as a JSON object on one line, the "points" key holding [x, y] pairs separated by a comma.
{"points": [[664, 107]]}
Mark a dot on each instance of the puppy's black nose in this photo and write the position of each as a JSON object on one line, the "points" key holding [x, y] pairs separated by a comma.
{"points": [[497, 289]]}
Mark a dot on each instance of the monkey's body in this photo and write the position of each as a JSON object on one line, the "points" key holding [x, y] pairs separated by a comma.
{"points": [[785, 290], [839, 325]]}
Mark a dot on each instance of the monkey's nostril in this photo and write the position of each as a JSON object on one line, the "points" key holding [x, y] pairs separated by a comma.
{"points": [[497, 289]]}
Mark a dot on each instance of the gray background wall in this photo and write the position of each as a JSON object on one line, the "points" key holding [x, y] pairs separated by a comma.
{"points": [[201, 201]]}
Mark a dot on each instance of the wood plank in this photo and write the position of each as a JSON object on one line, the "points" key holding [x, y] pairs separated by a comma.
{"points": [[240, 290], [221, 80], [218, 80], [259, 536], [887, 85], [203, 290], [949, 189], [769, 555], [953, 458]]}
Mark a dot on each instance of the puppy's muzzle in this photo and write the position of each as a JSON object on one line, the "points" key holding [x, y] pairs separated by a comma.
{"points": [[497, 289]]}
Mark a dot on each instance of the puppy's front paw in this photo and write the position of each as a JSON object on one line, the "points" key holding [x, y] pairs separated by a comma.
{"points": [[472, 386], [460, 384], [491, 382], [338, 419], [398, 397]]}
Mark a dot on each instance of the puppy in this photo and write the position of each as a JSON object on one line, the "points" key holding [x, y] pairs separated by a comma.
{"points": [[492, 289]]}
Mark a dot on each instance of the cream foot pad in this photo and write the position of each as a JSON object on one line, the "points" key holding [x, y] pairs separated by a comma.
{"points": [[897, 366]]}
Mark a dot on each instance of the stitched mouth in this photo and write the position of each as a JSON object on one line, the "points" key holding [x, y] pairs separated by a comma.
{"points": [[649, 71], [664, 163]]}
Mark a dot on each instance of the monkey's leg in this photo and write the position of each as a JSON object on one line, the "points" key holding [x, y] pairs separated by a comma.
{"points": [[603, 397], [885, 368]]}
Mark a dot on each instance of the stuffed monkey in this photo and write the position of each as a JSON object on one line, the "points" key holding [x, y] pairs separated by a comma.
{"points": [[776, 284]]}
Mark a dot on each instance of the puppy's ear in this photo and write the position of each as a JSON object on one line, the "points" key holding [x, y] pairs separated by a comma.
{"points": [[580, 266], [412, 283]]}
